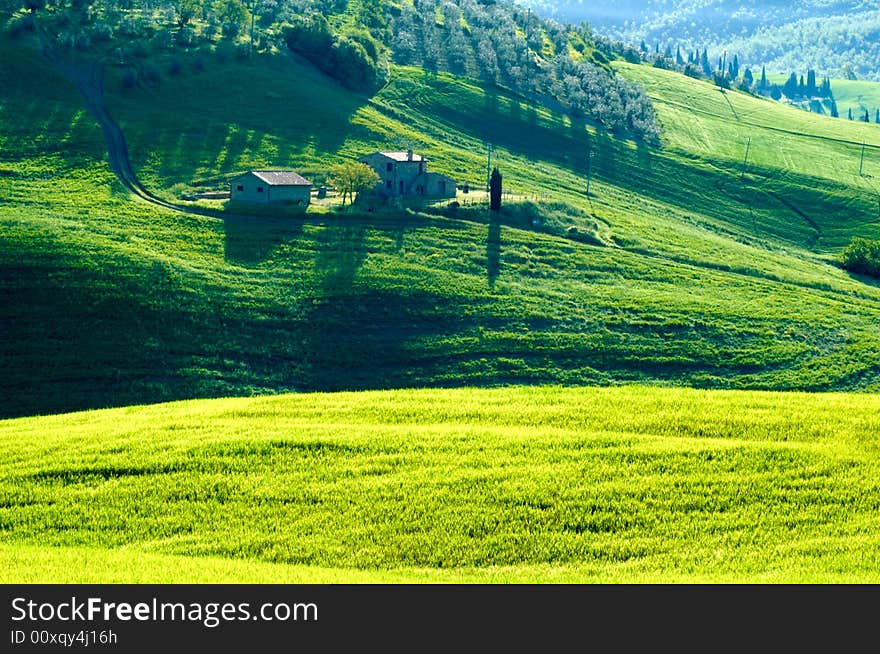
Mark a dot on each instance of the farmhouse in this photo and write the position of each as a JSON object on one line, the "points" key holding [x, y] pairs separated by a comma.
{"points": [[405, 174], [281, 187]]}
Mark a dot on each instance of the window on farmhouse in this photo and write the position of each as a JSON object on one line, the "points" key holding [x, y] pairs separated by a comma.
{"points": [[389, 166], [259, 189], [239, 188]]}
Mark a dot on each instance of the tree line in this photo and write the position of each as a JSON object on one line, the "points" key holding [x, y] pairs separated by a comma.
{"points": [[564, 66]]}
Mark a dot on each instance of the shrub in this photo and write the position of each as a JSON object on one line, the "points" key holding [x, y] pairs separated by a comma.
{"points": [[862, 256]]}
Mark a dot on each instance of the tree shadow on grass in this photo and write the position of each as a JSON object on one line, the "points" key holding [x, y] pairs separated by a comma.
{"points": [[250, 241], [493, 252]]}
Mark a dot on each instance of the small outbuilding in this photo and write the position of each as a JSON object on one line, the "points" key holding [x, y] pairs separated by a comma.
{"points": [[276, 187]]}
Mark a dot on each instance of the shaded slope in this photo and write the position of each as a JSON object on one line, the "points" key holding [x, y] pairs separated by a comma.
{"points": [[109, 302]]}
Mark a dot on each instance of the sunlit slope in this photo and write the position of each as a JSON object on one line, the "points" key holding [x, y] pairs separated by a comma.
{"points": [[808, 163], [109, 301], [801, 186], [857, 95], [516, 484]]}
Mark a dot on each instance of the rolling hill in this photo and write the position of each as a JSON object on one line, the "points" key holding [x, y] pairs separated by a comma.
{"points": [[685, 268], [613, 485], [708, 278]]}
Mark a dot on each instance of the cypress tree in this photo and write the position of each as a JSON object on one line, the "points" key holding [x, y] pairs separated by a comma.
{"points": [[834, 112], [704, 62], [877, 116], [811, 83], [678, 58], [763, 84], [495, 190], [849, 114], [734, 67], [790, 88], [802, 88]]}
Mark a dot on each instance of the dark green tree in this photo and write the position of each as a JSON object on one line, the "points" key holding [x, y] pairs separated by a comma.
{"points": [[233, 16], [704, 62], [495, 190], [862, 256], [811, 83], [790, 88]]}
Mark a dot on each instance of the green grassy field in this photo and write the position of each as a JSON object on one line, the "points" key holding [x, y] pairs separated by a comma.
{"points": [[515, 484], [699, 274], [707, 279], [857, 95]]}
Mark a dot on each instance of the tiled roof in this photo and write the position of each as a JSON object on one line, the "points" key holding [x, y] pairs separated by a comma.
{"points": [[281, 178], [403, 156]]}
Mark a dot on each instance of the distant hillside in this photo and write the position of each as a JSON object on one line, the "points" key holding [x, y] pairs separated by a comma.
{"points": [[835, 37], [850, 95]]}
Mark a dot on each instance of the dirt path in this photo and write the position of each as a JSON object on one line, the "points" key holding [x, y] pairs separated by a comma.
{"points": [[89, 81]]}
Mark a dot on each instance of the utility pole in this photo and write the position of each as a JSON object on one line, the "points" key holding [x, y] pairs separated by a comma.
{"points": [[862, 159], [488, 165], [746, 160], [589, 170]]}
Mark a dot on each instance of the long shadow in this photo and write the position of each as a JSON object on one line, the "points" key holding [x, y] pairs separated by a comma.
{"points": [[340, 254], [691, 184], [226, 133], [493, 252], [251, 241]]}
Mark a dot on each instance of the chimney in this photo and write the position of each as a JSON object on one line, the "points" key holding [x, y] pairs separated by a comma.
{"points": [[409, 155]]}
